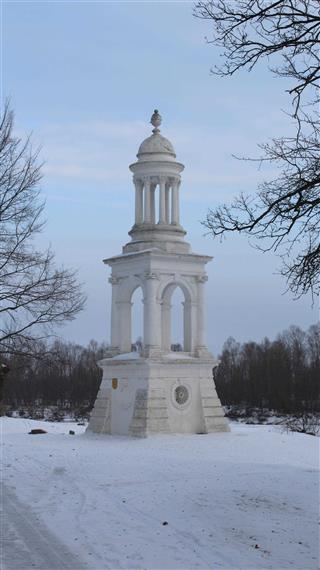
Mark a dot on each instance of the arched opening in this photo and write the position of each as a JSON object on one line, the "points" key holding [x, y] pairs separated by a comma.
{"points": [[137, 320], [176, 319]]}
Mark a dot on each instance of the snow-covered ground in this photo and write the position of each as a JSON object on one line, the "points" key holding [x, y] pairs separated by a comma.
{"points": [[243, 500]]}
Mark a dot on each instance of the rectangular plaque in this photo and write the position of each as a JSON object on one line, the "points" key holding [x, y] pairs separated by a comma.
{"points": [[114, 383]]}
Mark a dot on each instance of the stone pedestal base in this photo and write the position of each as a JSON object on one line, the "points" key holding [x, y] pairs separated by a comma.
{"points": [[173, 394]]}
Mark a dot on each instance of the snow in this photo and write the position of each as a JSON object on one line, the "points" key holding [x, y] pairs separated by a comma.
{"points": [[241, 500], [171, 356], [177, 355], [127, 356]]}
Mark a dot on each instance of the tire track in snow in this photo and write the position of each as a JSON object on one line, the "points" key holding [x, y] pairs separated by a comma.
{"points": [[26, 544]]}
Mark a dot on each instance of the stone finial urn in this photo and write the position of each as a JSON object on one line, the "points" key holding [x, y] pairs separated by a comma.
{"points": [[156, 119]]}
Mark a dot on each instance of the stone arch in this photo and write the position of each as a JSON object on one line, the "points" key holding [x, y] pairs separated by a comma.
{"points": [[185, 285], [126, 288], [165, 300]]}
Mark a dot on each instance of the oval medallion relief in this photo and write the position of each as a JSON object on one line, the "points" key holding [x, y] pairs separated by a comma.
{"points": [[181, 395]]}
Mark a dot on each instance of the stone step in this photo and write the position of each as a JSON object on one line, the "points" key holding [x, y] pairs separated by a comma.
{"points": [[148, 414], [211, 400], [100, 414], [138, 431], [215, 411], [101, 403], [208, 392], [158, 425], [216, 423]]}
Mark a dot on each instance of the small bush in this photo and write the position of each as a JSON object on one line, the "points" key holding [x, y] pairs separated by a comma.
{"points": [[303, 423], [55, 415], [83, 413]]}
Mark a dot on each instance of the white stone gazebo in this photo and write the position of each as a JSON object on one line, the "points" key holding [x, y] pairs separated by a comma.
{"points": [[157, 391]]}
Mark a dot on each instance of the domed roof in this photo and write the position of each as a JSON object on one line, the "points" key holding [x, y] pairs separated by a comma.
{"points": [[156, 144]]}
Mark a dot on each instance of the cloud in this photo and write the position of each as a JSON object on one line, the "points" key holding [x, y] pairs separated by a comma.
{"points": [[76, 171], [96, 154]]}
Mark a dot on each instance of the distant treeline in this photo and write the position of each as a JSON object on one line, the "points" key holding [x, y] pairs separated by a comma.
{"points": [[283, 374], [63, 374]]}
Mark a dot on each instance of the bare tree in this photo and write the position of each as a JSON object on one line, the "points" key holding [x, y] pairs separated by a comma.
{"points": [[64, 374], [35, 295], [284, 215], [282, 374]]}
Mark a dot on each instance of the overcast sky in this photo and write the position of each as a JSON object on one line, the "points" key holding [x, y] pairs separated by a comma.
{"points": [[84, 77]]}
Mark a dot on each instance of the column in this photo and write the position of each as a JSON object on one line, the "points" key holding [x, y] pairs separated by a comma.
{"points": [[124, 317], [187, 326], [152, 203], [162, 201], [151, 314], [174, 203], [114, 314], [201, 279], [147, 204], [165, 325], [178, 201], [139, 201], [167, 202]]}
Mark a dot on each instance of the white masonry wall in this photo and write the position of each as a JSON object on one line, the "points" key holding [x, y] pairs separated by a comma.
{"points": [[138, 398]]}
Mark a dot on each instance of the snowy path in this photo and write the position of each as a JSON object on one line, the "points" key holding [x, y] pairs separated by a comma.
{"points": [[246, 500], [26, 544]]}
